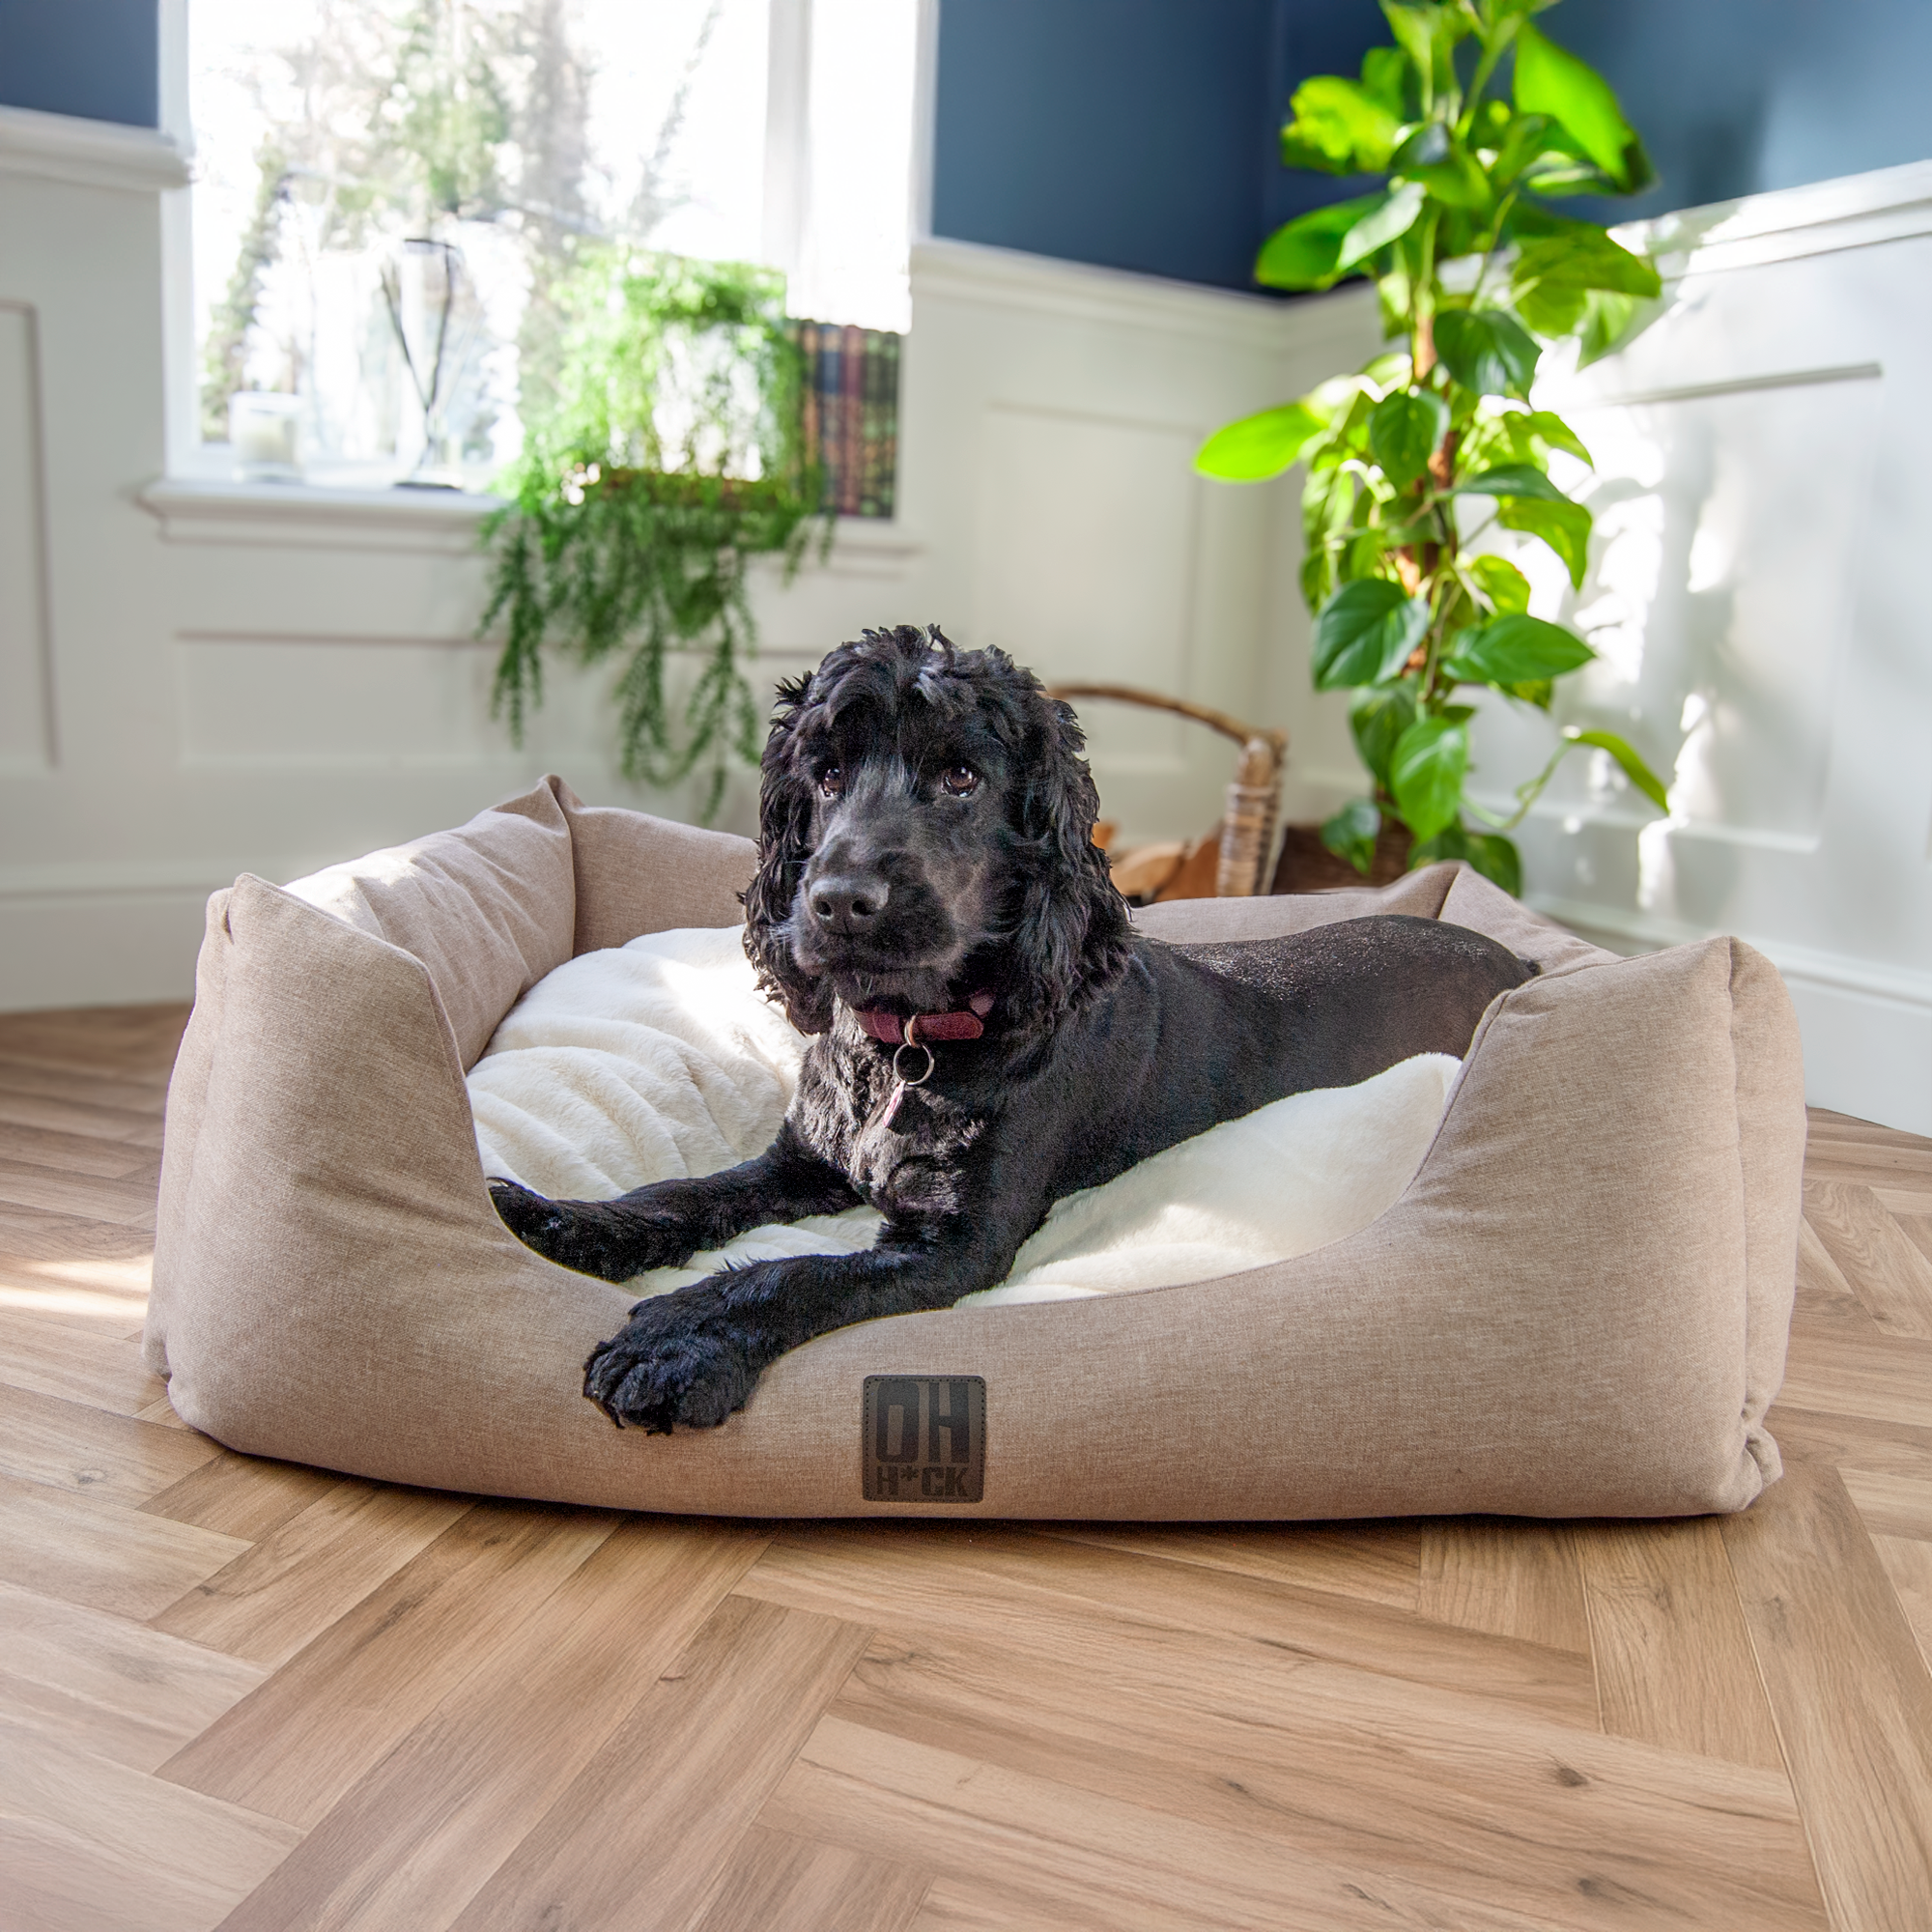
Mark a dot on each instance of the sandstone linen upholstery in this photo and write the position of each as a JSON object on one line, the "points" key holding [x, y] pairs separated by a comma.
{"points": [[1579, 1307]]}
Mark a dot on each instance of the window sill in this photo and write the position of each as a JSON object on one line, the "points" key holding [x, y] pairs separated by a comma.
{"points": [[308, 516]]}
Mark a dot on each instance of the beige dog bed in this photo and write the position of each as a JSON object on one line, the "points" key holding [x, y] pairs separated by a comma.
{"points": [[1578, 1306]]}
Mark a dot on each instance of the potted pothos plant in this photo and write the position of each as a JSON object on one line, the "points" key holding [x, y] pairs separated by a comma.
{"points": [[670, 457], [1474, 116]]}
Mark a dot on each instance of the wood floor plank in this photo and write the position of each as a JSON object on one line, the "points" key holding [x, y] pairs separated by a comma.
{"points": [[776, 1880], [109, 1685], [248, 1497], [1494, 1804], [1674, 1662], [1377, 1561], [291, 1584], [114, 1040], [1849, 1691], [1092, 1858], [126, 1091], [375, 1673], [1889, 1380], [1890, 1504], [1908, 1565], [1824, 1298], [1914, 1215], [1886, 1272], [646, 1833], [60, 1112], [1506, 1575], [96, 1367], [907, 1576], [85, 1550], [120, 1203], [88, 1845], [1890, 1448], [70, 1445], [93, 1154], [412, 1841]]}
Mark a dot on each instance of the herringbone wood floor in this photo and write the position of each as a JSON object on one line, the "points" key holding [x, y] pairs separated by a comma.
{"points": [[242, 1694]]}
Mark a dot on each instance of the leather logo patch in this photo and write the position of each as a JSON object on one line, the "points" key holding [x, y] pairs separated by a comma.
{"points": [[924, 1438]]}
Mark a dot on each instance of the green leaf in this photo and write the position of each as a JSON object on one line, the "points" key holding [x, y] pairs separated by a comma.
{"points": [[1385, 74], [1501, 582], [1627, 756], [1584, 257], [1366, 632], [1549, 80], [1260, 445], [1510, 479], [1382, 224], [1305, 254], [1606, 320], [1427, 32], [1515, 648], [1565, 527], [1350, 834], [1489, 852], [1339, 128], [1552, 309], [1546, 426], [1487, 351], [1378, 713], [1426, 774], [1434, 158], [1405, 431]]}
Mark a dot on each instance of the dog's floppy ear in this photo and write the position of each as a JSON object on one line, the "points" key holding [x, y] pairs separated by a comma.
{"points": [[784, 846], [1072, 934]]}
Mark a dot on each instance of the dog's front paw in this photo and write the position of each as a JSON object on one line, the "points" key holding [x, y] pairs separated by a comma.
{"points": [[592, 1236], [665, 1367]]}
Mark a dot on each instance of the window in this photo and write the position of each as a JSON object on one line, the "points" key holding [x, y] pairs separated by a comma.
{"points": [[385, 189]]}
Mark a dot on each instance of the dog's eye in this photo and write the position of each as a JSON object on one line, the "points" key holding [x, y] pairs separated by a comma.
{"points": [[961, 780], [831, 781]]}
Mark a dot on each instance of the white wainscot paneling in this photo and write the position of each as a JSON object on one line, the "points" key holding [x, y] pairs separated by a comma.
{"points": [[1087, 562], [26, 728], [1755, 595], [253, 704]]}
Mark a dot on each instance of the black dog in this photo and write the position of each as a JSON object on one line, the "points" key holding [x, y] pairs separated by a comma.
{"points": [[991, 1033]]}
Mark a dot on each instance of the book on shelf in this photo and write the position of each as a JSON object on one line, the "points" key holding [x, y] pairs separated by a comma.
{"points": [[852, 413]]}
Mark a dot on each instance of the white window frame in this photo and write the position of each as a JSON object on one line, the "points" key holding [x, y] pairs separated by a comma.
{"points": [[208, 475]]}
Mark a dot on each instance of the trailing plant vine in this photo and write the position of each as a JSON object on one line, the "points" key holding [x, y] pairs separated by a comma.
{"points": [[669, 459], [1408, 610]]}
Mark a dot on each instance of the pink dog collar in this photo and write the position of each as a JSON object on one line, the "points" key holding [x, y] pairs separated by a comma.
{"points": [[892, 1031]]}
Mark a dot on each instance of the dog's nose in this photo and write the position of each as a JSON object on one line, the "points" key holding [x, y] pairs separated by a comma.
{"points": [[847, 905]]}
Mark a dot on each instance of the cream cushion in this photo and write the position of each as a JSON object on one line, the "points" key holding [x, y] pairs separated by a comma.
{"points": [[659, 1061], [1577, 1307]]}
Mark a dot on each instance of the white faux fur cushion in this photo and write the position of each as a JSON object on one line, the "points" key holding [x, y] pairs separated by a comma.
{"points": [[660, 1060]]}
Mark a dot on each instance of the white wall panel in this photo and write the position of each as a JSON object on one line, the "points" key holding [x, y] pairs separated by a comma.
{"points": [[26, 727], [1086, 560], [263, 681]]}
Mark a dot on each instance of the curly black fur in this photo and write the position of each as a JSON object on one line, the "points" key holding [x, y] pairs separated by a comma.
{"points": [[925, 835]]}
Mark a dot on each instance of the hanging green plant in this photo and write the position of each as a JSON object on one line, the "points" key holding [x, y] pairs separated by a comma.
{"points": [[670, 457], [1408, 610]]}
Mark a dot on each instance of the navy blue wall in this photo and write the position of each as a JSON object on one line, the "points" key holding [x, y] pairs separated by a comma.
{"points": [[95, 58], [1140, 133]]}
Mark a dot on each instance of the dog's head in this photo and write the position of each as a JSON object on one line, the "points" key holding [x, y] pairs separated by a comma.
{"points": [[925, 832]]}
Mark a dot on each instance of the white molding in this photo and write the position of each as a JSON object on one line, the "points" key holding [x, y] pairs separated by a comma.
{"points": [[1785, 224], [1631, 932], [93, 153], [1042, 285], [309, 517]]}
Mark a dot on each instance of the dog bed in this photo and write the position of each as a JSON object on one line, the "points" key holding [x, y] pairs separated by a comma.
{"points": [[1578, 1306], [661, 1060]]}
